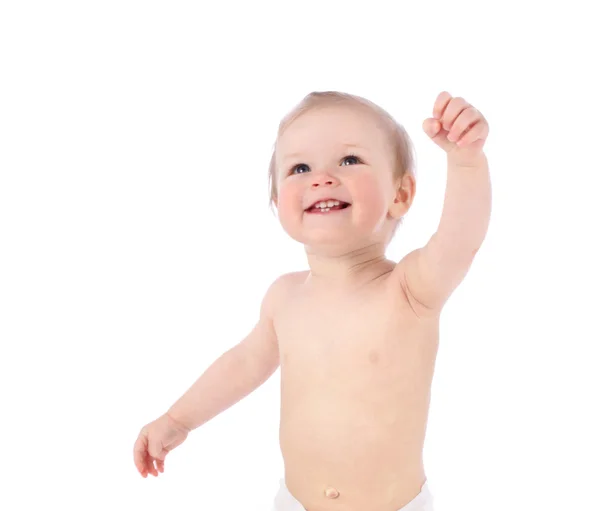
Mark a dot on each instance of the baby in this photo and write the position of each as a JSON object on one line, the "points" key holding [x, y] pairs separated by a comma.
{"points": [[356, 336]]}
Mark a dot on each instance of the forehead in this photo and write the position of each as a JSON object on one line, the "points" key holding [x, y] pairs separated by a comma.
{"points": [[333, 125]]}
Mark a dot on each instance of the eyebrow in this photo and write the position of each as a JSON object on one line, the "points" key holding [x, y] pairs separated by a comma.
{"points": [[297, 155]]}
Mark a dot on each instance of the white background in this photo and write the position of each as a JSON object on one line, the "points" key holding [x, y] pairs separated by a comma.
{"points": [[136, 242]]}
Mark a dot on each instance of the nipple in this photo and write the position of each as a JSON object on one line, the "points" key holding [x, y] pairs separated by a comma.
{"points": [[332, 493]]}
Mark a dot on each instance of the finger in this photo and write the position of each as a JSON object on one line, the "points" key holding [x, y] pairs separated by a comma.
{"points": [[431, 127], [453, 110], [475, 133], [140, 453], [160, 465], [151, 467], [147, 465], [466, 120], [156, 453], [440, 104]]}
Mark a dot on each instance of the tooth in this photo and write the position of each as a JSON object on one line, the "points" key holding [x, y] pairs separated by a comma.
{"points": [[322, 204], [326, 209], [330, 203]]}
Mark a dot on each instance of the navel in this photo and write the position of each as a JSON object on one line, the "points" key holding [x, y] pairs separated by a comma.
{"points": [[332, 493]]}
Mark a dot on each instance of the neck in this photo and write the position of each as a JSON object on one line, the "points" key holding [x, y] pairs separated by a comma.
{"points": [[352, 268]]}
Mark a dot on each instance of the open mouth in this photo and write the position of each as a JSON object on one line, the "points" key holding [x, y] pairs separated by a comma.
{"points": [[328, 205]]}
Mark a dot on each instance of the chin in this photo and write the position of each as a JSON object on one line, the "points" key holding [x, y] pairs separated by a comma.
{"points": [[337, 237], [317, 237], [326, 239]]}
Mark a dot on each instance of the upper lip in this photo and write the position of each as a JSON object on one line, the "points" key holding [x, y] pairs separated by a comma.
{"points": [[326, 199]]}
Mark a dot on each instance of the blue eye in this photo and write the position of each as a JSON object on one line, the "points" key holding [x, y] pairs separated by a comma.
{"points": [[351, 156], [299, 166], [299, 169]]}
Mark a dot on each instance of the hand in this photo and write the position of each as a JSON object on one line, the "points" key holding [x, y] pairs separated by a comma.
{"points": [[458, 128], [155, 441]]}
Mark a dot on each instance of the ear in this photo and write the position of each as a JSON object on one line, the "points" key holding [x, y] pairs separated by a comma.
{"points": [[405, 188]]}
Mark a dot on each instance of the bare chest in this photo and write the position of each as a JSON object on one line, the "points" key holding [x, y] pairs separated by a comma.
{"points": [[373, 335]]}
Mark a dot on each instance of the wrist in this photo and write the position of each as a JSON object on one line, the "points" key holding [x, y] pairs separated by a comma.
{"points": [[477, 160], [178, 422]]}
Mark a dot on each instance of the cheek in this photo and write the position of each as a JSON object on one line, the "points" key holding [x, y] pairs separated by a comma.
{"points": [[369, 199], [290, 202]]}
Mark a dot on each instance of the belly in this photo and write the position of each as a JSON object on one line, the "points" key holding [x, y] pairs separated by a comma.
{"points": [[356, 425]]}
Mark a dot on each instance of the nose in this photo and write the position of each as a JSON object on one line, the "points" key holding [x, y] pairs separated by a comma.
{"points": [[323, 180]]}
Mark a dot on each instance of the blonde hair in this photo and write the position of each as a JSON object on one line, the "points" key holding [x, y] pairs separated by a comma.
{"points": [[403, 147]]}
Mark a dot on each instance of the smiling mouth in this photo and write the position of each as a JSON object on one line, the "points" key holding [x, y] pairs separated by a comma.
{"points": [[327, 206]]}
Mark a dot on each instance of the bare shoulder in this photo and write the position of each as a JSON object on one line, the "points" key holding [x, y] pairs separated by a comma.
{"points": [[281, 288], [399, 281]]}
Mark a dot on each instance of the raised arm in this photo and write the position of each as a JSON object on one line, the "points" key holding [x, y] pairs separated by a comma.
{"points": [[430, 274]]}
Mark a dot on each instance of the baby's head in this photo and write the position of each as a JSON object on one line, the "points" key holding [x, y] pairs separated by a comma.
{"points": [[341, 147]]}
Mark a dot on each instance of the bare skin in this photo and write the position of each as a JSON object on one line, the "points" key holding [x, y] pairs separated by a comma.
{"points": [[356, 336], [356, 370]]}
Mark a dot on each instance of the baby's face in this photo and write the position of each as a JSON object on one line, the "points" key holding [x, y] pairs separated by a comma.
{"points": [[334, 153]]}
